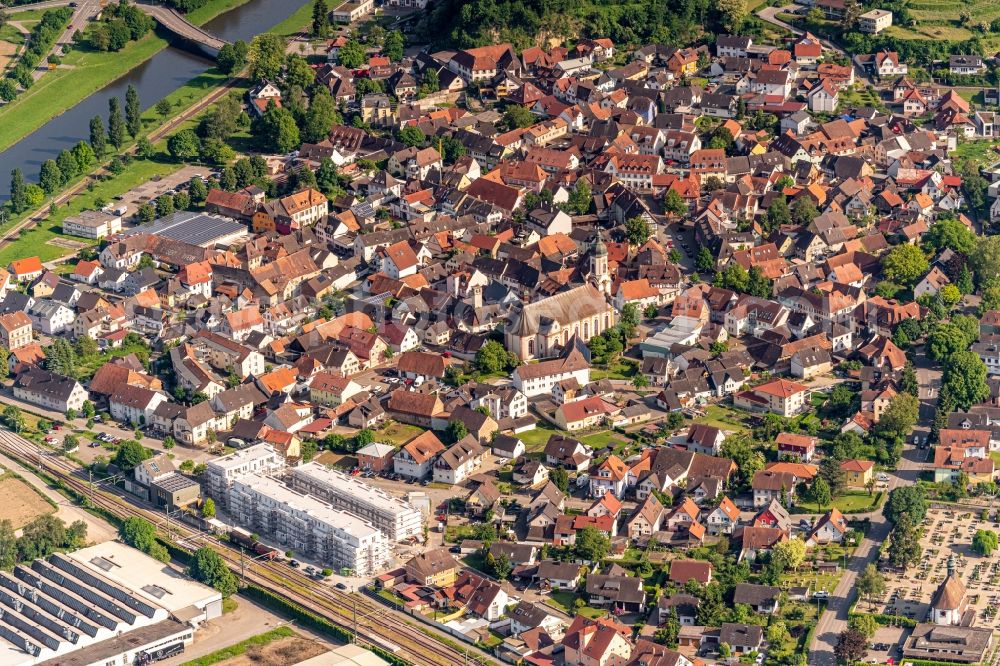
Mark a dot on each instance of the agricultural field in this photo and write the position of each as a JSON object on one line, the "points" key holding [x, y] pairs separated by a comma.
{"points": [[953, 20], [21, 504]]}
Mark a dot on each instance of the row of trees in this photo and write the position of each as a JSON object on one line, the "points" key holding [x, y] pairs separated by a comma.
{"points": [[43, 35], [82, 158], [39, 538]]}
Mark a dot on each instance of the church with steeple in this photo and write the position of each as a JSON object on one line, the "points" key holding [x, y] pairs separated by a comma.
{"points": [[543, 329]]}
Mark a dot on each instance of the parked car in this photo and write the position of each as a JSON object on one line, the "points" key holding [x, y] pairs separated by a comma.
{"points": [[340, 586]]}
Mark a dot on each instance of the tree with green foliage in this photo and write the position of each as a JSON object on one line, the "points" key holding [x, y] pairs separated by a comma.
{"points": [[50, 177], [778, 214], [905, 264], [141, 535], [560, 477], [276, 131], [964, 280], [499, 566], [321, 115], [133, 111], [266, 56], [98, 138], [789, 554], [870, 584], [233, 57], [964, 379], [14, 419], [904, 543], [704, 262], [820, 493], [130, 454], [743, 451], [674, 204], [116, 123], [948, 232], [906, 501], [298, 73], [984, 542], [320, 19], [352, 54], [803, 210], [944, 340], [637, 230], [394, 45], [455, 431], [163, 108], [18, 191], [184, 146], [592, 544], [735, 277], [208, 567], [757, 284], [734, 13], [580, 198], [493, 357], [517, 117], [411, 136]]}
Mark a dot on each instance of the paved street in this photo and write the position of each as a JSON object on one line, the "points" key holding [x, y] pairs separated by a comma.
{"points": [[834, 619]]}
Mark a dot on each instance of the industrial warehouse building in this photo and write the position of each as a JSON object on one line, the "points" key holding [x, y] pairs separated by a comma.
{"points": [[393, 516], [307, 525], [108, 604]]}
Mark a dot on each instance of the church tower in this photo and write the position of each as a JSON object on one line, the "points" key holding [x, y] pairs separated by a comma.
{"points": [[599, 266]]}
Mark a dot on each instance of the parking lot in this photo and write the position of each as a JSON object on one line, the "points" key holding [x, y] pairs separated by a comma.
{"points": [[948, 535]]}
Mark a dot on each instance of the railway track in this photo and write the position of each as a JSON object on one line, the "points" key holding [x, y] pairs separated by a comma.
{"points": [[370, 622]]}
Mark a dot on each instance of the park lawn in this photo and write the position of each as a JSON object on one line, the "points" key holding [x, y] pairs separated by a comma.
{"points": [[723, 417], [396, 433], [35, 241]]}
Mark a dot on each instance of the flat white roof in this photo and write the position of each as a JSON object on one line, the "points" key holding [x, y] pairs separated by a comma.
{"points": [[309, 505], [243, 456], [148, 579], [345, 484]]}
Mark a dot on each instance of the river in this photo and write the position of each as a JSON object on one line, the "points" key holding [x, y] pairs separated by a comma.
{"points": [[154, 79]]}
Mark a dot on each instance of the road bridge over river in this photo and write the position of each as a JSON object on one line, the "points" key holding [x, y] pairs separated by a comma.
{"points": [[168, 18]]}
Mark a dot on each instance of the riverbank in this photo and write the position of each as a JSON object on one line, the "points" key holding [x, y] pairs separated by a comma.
{"points": [[82, 74]]}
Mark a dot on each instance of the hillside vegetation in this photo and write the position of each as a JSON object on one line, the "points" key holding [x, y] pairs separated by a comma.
{"points": [[464, 24]]}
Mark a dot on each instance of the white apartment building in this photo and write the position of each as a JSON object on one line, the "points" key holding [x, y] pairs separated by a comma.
{"points": [[307, 525], [222, 472], [393, 516]]}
